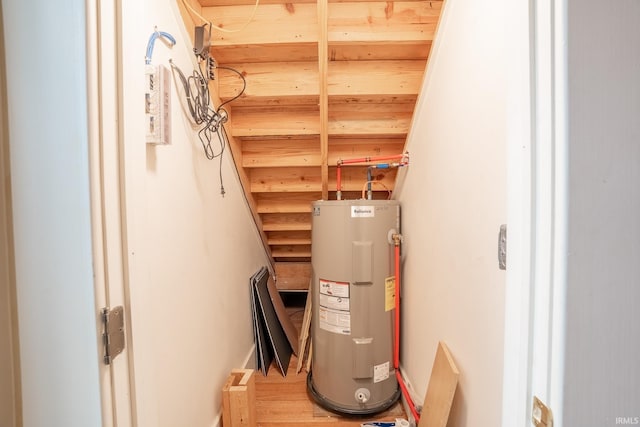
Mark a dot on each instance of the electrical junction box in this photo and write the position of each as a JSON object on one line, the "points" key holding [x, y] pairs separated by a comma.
{"points": [[157, 108]]}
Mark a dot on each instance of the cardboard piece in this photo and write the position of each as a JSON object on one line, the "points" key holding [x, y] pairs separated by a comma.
{"points": [[264, 353], [276, 336], [287, 325]]}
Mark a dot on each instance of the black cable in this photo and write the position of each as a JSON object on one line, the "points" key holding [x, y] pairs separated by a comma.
{"points": [[244, 85], [196, 90]]}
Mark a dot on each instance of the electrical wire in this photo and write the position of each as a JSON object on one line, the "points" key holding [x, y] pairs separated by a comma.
{"points": [[224, 30], [202, 114], [364, 187], [244, 84]]}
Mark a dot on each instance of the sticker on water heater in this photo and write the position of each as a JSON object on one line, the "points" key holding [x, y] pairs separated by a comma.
{"points": [[334, 307], [336, 321], [335, 303], [381, 372], [389, 293], [336, 289], [362, 212]]}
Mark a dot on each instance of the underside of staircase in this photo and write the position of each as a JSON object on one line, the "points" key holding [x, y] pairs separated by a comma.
{"points": [[326, 81]]}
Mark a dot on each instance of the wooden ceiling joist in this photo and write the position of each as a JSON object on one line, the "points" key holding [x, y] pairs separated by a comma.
{"points": [[383, 22], [275, 123], [280, 153], [294, 82], [289, 202], [286, 222], [285, 179], [272, 23]]}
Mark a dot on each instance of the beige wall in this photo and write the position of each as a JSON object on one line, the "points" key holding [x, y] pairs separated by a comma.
{"points": [[191, 251], [453, 202]]}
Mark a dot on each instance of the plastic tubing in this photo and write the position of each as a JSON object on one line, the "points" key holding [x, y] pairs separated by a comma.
{"points": [[338, 183], [370, 159], [362, 160], [152, 41], [396, 347]]}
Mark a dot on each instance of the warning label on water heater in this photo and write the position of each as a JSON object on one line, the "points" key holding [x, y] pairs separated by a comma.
{"points": [[334, 309]]}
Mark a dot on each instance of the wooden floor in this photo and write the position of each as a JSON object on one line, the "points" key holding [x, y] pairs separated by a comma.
{"points": [[284, 401]]}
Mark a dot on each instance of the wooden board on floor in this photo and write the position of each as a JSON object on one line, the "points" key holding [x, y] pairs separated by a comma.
{"points": [[396, 411], [304, 332], [442, 387]]}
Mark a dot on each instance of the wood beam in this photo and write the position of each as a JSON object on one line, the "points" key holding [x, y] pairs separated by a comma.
{"points": [[392, 125], [291, 251], [286, 222], [289, 238], [355, 177], [349, 148], [285, 179], [371, 51], [281, 52], [275, 123], [289, 82], [280, 153], [324, 95], [375, 79], [272, 23], [293, 275], [384, 22], [290, 202]]}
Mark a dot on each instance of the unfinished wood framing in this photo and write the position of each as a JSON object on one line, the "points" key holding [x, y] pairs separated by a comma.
{"points": [[326, 80]]}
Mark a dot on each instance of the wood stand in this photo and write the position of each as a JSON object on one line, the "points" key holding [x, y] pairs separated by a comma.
{"points": [[238, 399]]}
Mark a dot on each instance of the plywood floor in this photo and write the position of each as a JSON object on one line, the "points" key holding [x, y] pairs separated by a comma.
{"points": [[284, 401]]}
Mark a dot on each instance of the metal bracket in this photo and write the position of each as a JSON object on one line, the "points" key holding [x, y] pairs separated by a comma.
{"points": [[113, 332], [502, 247]]}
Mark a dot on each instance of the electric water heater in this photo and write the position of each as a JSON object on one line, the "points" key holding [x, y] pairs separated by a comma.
{"points": [[353, 297]]}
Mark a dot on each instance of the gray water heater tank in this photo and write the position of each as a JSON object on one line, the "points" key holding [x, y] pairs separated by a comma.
{"points": [[353, 291]]}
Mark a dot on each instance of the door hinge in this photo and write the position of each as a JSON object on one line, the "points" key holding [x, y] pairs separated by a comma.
{"points": [[502, 247], [541, 415], [113, 332]]}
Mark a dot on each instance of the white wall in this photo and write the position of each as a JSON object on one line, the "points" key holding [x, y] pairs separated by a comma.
{"points": [[602, 374], [191, 250], [46, 94], [453, 201]]}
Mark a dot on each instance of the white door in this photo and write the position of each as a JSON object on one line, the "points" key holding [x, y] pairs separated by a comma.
{"points": [[50, 210], [109, 239], [536, 277]]}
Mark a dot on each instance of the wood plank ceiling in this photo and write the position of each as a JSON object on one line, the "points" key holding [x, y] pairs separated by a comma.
{"points": [[325, 81]]}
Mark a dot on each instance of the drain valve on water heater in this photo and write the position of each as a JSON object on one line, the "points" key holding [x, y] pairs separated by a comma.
{"points": [[363, 395]]}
